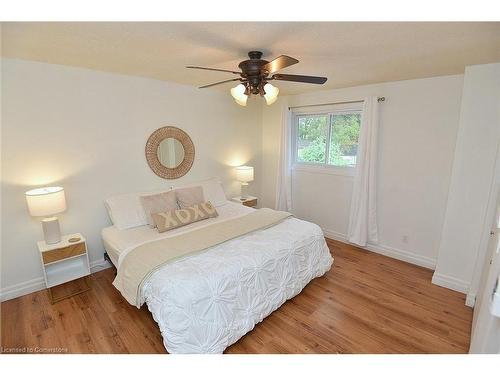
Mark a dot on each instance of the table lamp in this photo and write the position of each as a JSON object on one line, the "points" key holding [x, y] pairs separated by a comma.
{"points": [[244, 174], [47, 202]]}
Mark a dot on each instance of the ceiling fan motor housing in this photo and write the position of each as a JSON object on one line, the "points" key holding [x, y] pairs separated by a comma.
{"points": [[251, 70], [255, 55]]}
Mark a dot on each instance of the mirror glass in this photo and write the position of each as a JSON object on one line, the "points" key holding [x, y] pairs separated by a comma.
{"points": [[170, 152]]}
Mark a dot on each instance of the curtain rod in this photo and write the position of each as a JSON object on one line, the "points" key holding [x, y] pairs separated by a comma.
{"points": [[379, 99]]}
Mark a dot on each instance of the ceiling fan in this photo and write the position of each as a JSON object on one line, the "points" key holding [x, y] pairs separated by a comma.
{"points": [[255, 76]]}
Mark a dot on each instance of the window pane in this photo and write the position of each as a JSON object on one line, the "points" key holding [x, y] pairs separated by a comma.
{"points": [[311, 138], [344, 139]]}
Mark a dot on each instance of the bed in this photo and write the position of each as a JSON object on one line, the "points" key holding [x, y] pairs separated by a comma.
{"points": [[206, 301]]}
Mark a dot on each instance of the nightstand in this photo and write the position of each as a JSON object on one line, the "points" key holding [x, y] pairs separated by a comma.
{"points": [[248, 201], [63, 262]]}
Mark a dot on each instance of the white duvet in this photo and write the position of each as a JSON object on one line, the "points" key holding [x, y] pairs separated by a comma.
{"points": [[206, 302]]}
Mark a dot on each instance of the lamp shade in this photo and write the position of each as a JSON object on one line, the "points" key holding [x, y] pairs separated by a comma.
{"points": [[271, 93], [238, 93], [244, 173], [46, 201]]}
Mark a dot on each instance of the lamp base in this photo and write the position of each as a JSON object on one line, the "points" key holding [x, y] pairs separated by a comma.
{"points": [[244, 189], [51, 230]]}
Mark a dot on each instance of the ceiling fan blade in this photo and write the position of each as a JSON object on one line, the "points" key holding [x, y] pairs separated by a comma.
{"points": [[214, 69], [221, 82], [279, 63], [299, 78]]}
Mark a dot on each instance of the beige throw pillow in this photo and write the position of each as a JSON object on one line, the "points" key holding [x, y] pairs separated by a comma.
{"points": [[173, 219], [189, 196], [155, 203]]}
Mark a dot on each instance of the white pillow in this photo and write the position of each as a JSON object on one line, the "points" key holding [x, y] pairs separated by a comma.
{"points": [[126, 211], [214, 192]]}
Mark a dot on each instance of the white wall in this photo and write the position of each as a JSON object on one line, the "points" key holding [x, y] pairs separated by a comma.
{"points": [[86, 130], [471, 183], [419, 123], [271, 135]]}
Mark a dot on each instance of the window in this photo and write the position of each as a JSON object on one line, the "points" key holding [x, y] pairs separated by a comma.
{"points": [[311, 138], [327, 139]]}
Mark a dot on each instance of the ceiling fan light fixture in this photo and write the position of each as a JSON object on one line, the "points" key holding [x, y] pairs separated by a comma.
{"points": [[238, 93], [255, 74], [271, 93]]}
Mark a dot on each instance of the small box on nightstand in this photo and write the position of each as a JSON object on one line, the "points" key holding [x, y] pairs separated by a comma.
{"points": [[62, 262]]}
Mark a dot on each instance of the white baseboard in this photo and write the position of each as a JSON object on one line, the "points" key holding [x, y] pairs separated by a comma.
{"points": [[470, 300], [34, 285], [391, 252], [450, 282], [334, 235], [99, 265], [21, 289]]}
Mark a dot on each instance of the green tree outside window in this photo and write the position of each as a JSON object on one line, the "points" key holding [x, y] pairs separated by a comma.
{"points": [[313, 134]]}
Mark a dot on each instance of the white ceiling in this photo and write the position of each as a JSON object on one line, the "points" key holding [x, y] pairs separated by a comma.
{"points": [[348, 53]]}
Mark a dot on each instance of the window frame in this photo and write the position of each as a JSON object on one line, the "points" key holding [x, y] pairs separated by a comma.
{"points": [[324, 167]]}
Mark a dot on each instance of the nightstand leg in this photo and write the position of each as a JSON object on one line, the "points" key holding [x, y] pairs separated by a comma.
{"points": [[50, 296]]}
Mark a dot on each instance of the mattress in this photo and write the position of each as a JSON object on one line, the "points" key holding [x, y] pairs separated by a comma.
{"points": [[119, 242]]}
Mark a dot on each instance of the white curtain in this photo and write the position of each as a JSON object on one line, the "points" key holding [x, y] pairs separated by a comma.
{"points": [[284, 182], [363, 217]]}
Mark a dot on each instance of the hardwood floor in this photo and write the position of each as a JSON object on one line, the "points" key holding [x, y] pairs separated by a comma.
{"points": [[367, 303]]}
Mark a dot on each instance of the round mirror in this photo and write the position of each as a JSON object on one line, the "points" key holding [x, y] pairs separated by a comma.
{"points": [[170, 152]]}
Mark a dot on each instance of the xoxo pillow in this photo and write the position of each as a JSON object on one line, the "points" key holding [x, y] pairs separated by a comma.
{"points": [[174, 219]]}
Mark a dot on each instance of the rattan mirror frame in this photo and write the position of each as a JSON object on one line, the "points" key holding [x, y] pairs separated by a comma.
{"points": [[153, 143]]}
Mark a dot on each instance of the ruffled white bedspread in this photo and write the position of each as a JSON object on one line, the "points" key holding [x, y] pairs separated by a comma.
{"points": [[208, 301]]}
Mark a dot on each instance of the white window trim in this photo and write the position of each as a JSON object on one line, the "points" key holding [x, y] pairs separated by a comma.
{"points": [[323, 168]]}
